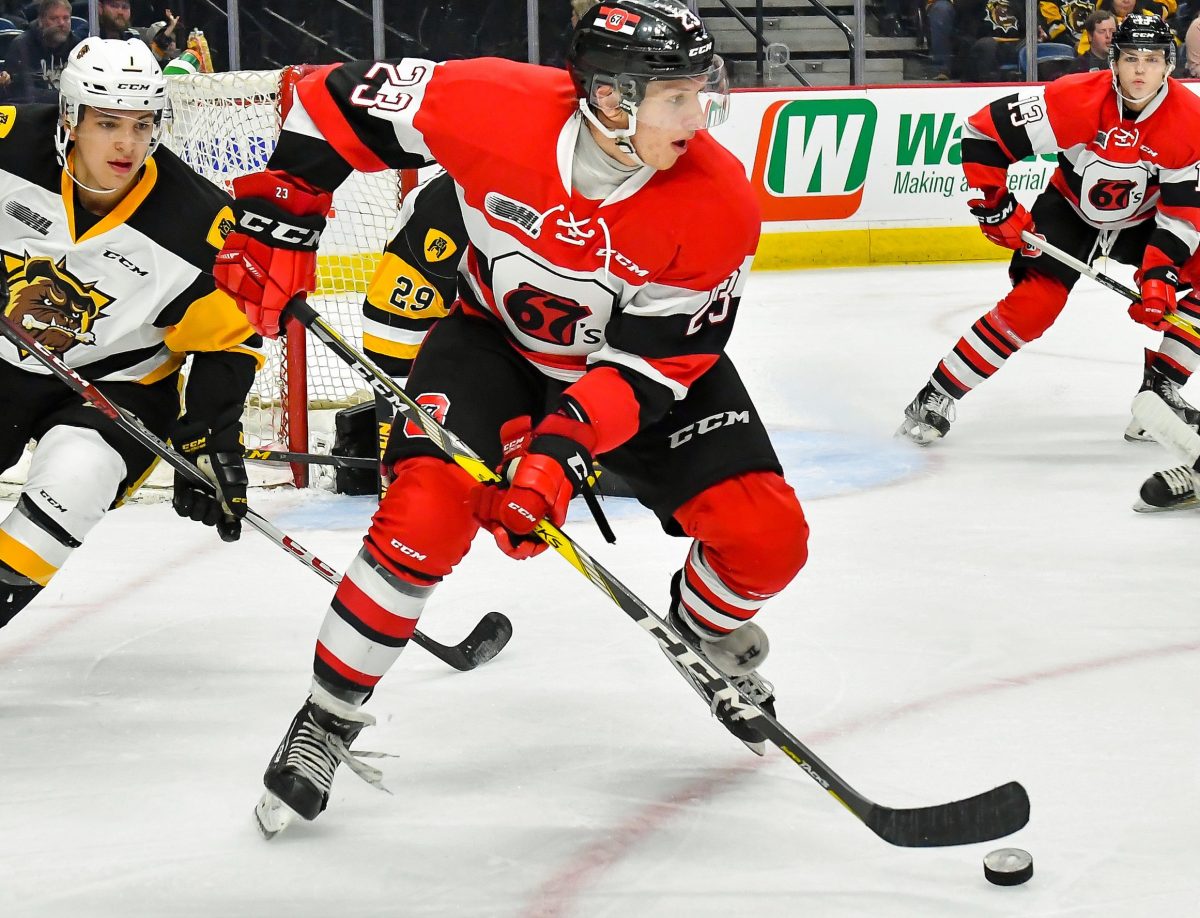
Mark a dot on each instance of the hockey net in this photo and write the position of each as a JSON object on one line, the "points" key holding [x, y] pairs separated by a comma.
{"points": [[226, 125]]}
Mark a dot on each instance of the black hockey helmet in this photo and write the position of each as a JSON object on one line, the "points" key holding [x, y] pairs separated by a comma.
{"points": [[628, 43], [1143, 32]]}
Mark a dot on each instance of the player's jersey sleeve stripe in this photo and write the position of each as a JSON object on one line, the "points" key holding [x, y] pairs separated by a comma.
{"points": [[316, 112], [1175, 238], [214, 323], [1015, 139], [364, 115], [674, 374], [411, 336]]}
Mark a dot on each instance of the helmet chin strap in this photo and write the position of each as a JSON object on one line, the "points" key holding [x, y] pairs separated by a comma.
{"points": [[61, 141], [75, 179], [623, 138], [1145, 98]]}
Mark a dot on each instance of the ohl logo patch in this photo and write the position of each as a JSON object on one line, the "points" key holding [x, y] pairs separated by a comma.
{"points": [[55, 307]]}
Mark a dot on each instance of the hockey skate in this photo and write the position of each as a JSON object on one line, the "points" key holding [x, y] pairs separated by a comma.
{"points": [[1168, 391], [927, 417], [1173, 489], [737, 656], [300, 774]]}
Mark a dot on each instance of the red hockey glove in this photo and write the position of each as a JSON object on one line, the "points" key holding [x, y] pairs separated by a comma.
{"points": [[543, 476], [1002, 219], [272, 253], [1158, 287]]}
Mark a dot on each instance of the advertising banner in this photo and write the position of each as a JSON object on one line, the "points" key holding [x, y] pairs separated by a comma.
{"points": [[858, 176]]}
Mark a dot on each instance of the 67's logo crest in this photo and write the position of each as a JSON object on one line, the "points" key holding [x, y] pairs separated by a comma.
{"points": [[391, 94]]}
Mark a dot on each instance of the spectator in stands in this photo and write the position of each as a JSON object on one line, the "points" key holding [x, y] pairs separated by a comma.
{"points": [[1191, 46], [1100, 28], [900, 17], [37, 58], [114, 18], [161, 38], [1065, 20], [993, 32], [940, 16], [14, 12], [1122, 8]]}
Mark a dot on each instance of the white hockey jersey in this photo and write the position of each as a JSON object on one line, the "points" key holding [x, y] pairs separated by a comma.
{"points": [[124, 297]]}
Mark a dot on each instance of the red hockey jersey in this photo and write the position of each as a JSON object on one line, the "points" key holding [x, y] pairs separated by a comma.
{"points": [[631, 298], [1115, 171]]}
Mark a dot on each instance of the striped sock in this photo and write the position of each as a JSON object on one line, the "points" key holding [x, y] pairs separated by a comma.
{"points": [[977, 356], [712, 608], [373, 614]]}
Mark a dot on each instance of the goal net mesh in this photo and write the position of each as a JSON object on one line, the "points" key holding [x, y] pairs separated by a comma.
{"points": [[226, 125]]}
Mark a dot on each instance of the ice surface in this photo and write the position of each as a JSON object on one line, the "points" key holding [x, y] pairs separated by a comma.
{"points": [[984, 610]]}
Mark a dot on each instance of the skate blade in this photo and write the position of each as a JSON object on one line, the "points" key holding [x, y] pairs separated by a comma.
{"points": [[758, 748], [918, 433], [1191, 503], [272, 815]]}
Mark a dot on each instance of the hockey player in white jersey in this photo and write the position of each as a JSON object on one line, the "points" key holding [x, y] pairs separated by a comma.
{"points": [[107, 246]]}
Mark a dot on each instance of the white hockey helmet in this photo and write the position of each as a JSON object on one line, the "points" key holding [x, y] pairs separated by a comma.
{"points": [[110, 73]]}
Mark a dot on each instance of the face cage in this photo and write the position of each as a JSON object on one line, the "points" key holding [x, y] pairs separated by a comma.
{"points": [[714, 94], [70, 111]]}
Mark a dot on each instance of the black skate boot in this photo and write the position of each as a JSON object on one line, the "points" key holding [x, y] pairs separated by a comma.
{"points": [[301, 771], [737, 656], [1168, 390], [927, 417], [1173, 489]]}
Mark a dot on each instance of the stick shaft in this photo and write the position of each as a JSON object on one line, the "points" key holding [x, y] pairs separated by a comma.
{"points": [[1103, 279]]}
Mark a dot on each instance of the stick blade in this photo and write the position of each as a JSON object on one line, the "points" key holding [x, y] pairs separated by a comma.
{"points": [[487, 639], [984, 817]]}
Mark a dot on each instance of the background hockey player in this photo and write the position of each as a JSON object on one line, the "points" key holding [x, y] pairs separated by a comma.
{"points": [[107, 246], [1125, 186], [610, 240]]}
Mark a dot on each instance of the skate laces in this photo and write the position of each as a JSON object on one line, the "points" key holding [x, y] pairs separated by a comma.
{"points": [[1168, 391], [1179, 480], [753, 687], [315, 752], [353, 760], [937, 403]]}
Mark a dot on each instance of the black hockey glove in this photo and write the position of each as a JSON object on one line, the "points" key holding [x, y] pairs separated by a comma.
{"points": [[217, 452]]}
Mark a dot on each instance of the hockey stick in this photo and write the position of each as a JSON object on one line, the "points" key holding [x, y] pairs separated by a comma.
{"points": [[992, 814], [485, 641], [342, 462], [1103, 279]]}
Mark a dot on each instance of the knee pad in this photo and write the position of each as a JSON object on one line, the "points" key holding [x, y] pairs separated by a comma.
{"points": [[424, 525], [73, 479], [753, 532], [1031, 306]]}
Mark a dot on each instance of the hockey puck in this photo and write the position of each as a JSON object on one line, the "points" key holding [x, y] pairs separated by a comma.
{"points": [[1008, 866]]}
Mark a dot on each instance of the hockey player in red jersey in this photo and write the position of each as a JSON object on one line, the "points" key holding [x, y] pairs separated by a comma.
{"points": [[1126, 186], [107, 251], [610, 238]]}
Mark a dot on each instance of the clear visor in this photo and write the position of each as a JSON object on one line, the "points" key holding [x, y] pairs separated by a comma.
{"points": [[134, 129], [686, 104], [1143, 53]]}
